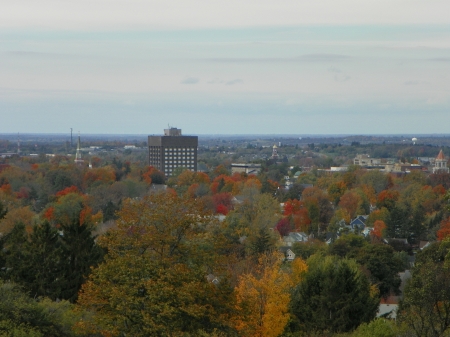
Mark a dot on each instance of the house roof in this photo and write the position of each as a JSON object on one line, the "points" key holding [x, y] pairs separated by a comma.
{"points": [[357, 222], [387, 310], [440, 156]]}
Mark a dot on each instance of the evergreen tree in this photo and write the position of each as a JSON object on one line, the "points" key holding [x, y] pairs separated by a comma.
{"points": [[333, 296], [262, 242], [3, 210], [398, 224], [46, 263], [16, 255], [80, 253]]}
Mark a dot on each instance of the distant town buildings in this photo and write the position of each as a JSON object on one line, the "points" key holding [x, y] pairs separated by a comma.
{"points": [[172, 151], [440, 164], [245, 168]]}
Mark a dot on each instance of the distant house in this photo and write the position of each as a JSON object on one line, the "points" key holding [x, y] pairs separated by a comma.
{"points": [[289, 255], [294, 237], [245, 168], [387, 310], [359, 223]]}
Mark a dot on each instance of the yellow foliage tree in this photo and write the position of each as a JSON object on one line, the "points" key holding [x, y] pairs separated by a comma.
{"points": [[262, 299]]}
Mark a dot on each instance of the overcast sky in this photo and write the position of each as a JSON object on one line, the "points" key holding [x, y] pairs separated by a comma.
{"points": [[226, 67]]}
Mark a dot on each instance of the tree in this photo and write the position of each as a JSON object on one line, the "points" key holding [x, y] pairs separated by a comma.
{"points": [[48, 264], [21, 315], [153, 280], [283, 227], [378, 229], [3, 210], [378, 180], [377, 328], [426, 303], [383, 265], [444, 231], [388, 199], [350, 202], [334, 296], [398, 223], [81, 253], [262, 299]]}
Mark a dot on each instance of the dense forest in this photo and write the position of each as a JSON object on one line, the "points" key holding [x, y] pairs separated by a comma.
{"points": [[119, 249]]}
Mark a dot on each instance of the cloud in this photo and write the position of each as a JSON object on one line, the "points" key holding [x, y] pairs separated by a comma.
{"points": [[216, 81], [413, 82], [226, 82], [341, 78], [190, 80], [302, 58], [235, 81], [439, 59], [334, 70]]}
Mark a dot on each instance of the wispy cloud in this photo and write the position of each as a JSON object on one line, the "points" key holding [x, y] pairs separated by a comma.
{"points": [[235, 81], [302, 58], [226, 82], [413, 82], [190, 80], [341, 78], [334, 70], [439, 59]]}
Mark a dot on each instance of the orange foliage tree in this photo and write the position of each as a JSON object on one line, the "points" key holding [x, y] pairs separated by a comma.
{"points": [[350, 202], [444, 231], [153, 175], [387, 198], [378, 229], [104, 174]]}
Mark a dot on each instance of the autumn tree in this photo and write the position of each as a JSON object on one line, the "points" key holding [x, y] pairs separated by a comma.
{"points": [[444, 231], [388, 199], [153, 280], [262, 298], [350, 201], [378, 229]]}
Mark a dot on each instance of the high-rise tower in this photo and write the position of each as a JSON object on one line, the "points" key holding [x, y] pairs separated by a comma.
{"points": [[172, 151]]}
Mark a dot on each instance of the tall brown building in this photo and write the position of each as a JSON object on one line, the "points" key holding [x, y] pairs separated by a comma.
{"points": [[172, 151]]}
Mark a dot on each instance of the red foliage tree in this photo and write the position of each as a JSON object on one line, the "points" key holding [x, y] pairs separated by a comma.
{"points": [[222, 209], [283, 227]]}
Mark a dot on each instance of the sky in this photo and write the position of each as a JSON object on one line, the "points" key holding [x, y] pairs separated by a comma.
{"points": [[225, 67]]}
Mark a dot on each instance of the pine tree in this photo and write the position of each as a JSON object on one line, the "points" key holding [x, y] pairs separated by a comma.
{"points": [[333, 296], [80, 254]]}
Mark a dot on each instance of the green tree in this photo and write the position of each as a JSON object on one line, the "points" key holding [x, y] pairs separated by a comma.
{"points": [[384, 266], [334, 296], [23, 316], [377, 328], [154, 278], [80, 254], [426, 303]]}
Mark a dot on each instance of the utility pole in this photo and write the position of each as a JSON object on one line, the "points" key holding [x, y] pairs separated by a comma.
{"points": [[71, 139]]}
